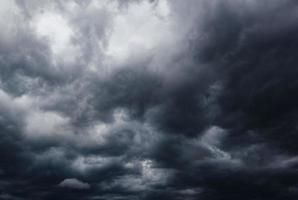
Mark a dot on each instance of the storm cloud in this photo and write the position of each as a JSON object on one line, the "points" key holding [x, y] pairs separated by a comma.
{"points": [[148, 99]]}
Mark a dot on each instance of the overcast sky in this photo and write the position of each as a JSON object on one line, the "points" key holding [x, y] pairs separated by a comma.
{"points": [[149, 100]]}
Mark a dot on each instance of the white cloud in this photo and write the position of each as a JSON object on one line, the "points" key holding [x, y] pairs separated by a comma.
{"points": [[39, 124], [55, 28], [138, 29]]}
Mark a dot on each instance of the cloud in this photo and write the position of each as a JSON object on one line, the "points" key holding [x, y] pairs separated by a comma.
{"points": [[74, 184], [148, 99]]}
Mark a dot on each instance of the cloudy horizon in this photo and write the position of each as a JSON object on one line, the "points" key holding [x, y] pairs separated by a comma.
{"points": [[148, 99]]}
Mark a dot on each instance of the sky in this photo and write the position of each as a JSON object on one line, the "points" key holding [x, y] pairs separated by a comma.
{"points": [[148, 99]]}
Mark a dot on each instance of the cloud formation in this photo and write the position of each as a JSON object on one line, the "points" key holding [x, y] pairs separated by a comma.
{"points": [[74, 184], [148, 99]]}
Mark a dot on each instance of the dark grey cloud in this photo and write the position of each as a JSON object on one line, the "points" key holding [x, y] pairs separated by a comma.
{"points": [[148, 100]]}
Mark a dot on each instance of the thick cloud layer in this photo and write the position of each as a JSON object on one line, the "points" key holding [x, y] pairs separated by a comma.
{"points": [[139, 99]]}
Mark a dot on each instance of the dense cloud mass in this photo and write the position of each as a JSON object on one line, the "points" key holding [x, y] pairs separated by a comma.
{"points": [[148, 99]]}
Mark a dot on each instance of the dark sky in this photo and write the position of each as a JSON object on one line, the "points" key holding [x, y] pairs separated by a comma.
{"points": [[149, 100]]}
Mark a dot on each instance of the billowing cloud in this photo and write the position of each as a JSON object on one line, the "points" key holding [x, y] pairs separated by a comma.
{"points": [[148, 99]]}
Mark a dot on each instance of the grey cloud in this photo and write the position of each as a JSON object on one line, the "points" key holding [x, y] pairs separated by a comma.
{"points": [[148, 99], [74, 184]]}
